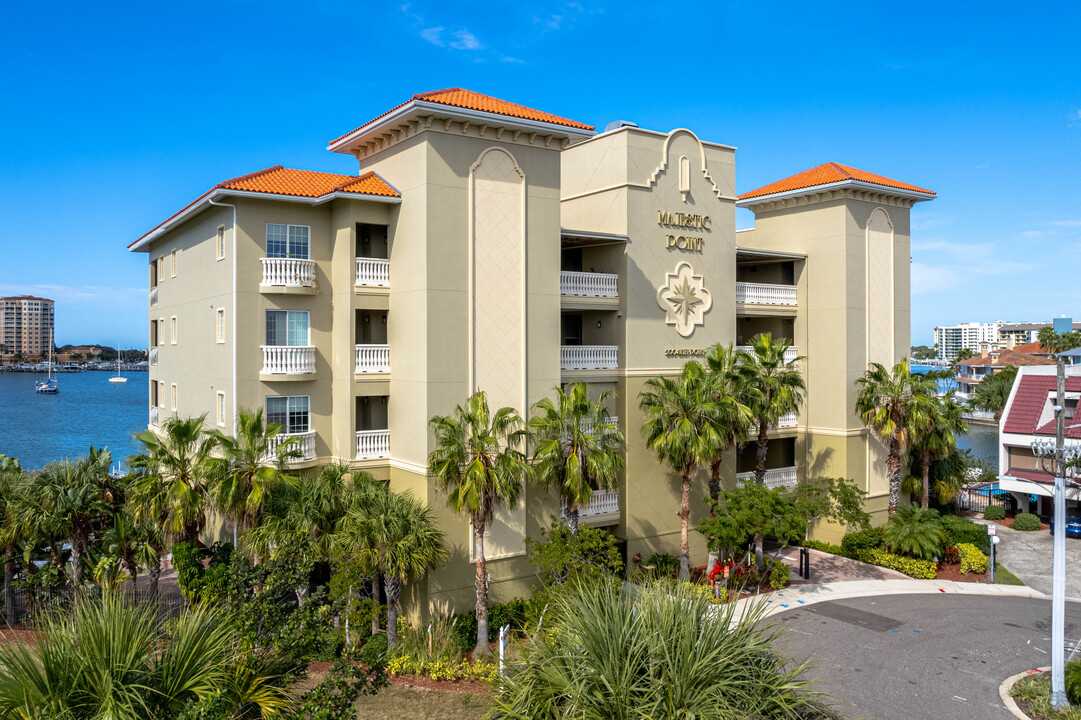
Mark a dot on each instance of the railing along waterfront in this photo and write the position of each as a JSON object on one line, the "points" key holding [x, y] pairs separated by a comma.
{"points": [[372, 359], [372, 444], [776, 477], [589, 357], [304, 448], [373, 272], [765, 294], [288, 272], [588, 284], [288, 359], [789, 355]]}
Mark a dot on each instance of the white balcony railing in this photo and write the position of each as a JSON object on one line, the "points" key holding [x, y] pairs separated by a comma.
{"points": [[303, 449], [372, 444], [154, 295], [789, 420], [764, 294], [154, 416], [589, 357], [288, 272], [288, 359], [789, 355], [586, 424], [372, 358], [777, 477], [153, 356], [373, 272], [588, 284], [604, 502]]}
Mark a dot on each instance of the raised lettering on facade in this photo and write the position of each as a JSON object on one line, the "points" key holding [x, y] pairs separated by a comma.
{"points": [[686, 243]]}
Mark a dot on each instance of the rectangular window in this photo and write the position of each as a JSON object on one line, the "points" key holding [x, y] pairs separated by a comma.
{"points": [[161, 394], [221, 409], [172, 264], [291, 412], [161, 268], [221, 242], [161, 331], [153, 394], [172, 330], [172, 397], [221, 325], [287, 327], [287, 241]]}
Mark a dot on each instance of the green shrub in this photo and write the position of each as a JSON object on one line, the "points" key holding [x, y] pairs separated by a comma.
{"points": [[1026, 521], [916, 532], [188, 561], [824, 547], [374, 651], [464, 631], [511, 613], [853, 542], [953, 555], [778, 575], [960, 530], [1073, 682], [560, 555], [922, 569], [664, 565], [972, 560], [994, 512]]}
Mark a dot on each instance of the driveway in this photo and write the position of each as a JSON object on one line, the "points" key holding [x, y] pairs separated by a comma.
{"points": [[922, 657], [1028, 556]]}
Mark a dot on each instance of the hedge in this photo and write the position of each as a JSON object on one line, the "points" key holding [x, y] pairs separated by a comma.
{"points": [[870, 539], [1026, 521], [922, 569], [972, 560], [994, 512], [959, 530]]}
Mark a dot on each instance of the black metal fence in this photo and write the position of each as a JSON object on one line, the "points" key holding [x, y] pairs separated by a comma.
{"points": [[977, 498], [27, 605]]}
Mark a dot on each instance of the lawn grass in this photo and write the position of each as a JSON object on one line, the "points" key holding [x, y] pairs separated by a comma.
{"points": [[396, 702], [1033, 694], [1005, 577]]}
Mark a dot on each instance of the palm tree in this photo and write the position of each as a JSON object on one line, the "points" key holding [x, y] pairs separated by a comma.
{"points": [[251, 467], [577, 447], [404, 540], [935, 436], [777, 389], [478, 463], [1048, 339], [12, 479], [147, 505], [992, 393], [732, 396], [915, 531], [891, 403], [177, 461], [682, 428]]}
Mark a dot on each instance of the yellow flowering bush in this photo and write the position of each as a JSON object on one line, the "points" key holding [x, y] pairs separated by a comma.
{"points": [[444, 669]]}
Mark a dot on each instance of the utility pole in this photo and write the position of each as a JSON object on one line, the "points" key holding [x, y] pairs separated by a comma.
{"points": [[1058, 566]]}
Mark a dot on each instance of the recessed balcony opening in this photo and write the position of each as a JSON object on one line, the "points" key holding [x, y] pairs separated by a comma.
{"points": [[767, 278], [781, 470], [373, 255], [372, 420], [780, 328], [588, 341], [372, 351]]}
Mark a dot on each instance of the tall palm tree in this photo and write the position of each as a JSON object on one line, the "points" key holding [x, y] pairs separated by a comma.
{"points": [[479, 464], [777, 387], [1048, 339], [577, 447], [935, 436], [251, 467], [177, 462], [404, 540], [733, 397], [992, 393], [146, 503], [12, 479], [682, 428], [891, 403]]}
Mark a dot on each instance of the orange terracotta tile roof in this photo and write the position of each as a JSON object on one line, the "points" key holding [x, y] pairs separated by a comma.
{"points": [[1029, 348], [1001, 358], [470, 100], [826, 174]]}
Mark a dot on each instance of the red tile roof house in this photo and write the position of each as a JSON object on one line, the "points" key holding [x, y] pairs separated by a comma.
{"points": [[973, 370], [1029, 415]]}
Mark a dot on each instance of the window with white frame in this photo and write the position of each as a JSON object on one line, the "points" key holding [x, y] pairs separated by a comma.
{"points": [[161, 268], [172, 264], [221, 242], [161, 331], [221, 325], [287, 327], [172, 397], [287, 241], [289, 411], [172, 330], [221, 409]]}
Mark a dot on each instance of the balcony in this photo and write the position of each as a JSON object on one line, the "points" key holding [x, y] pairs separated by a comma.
{"points": [[372, 359], [153, 356], [589, 357], [373, 272], [588, 290], [775, 478], [303, 449], [154, 416], [283, 361], [603, 509], [373, 444], [789, 355], [775, 296], [586, 424], [154, 295], [789, 420], [283, 275]]}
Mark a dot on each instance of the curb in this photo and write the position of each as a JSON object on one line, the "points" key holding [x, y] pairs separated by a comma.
{"points": [[1004, 691]]}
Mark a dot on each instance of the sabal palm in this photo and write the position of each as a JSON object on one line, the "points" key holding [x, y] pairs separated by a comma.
{"points": [[733, 397], [682, 427], [776, 389], [251, 467], [1048, 339], [934, 436], [177, 462], [146, 503], [401, 534], [479, 463], [891, 403], [12, 478], [578, 448]]}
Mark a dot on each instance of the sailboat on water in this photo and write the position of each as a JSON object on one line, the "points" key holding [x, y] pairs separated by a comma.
{"points": [[118, 378], [48, 386]]}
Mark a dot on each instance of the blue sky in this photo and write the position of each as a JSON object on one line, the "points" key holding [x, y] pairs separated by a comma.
{"points": [[118, 114]]}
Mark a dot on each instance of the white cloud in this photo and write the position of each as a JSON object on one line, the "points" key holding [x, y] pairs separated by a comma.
{"points": [[465, 40], [1067, 223], [1032, 233], [434, 35]]}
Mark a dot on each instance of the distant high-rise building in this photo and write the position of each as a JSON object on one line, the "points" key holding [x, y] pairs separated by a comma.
{"points": [[1026, 332], [26, 325], [949, 340]]}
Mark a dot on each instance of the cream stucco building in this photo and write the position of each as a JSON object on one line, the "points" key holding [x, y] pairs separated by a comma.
{"points": [[483, 244]]}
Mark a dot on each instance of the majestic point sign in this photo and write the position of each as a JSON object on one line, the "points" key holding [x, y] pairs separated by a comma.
{"points": [[686, 243]]}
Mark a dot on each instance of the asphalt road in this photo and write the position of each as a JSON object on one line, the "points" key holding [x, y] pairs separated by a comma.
{"points": [[1028, 556], [923, 657]]}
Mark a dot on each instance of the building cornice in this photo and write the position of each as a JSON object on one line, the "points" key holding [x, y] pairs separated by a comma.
{"points": [[842, 190]]}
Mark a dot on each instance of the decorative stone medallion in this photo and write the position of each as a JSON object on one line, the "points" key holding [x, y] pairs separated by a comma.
{"points": [[684, 299]]}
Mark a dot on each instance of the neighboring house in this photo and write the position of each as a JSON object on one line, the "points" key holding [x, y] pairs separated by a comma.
{"points": [[1029, 415], [486, 245], [972, 371]]}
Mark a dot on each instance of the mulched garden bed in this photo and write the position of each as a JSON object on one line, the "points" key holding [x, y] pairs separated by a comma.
{"points": [[953, 572]]}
